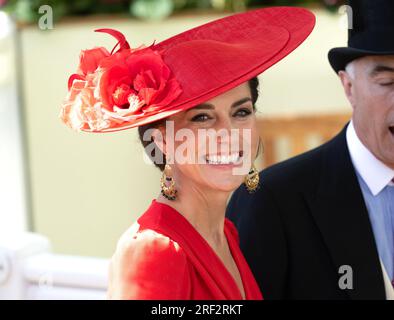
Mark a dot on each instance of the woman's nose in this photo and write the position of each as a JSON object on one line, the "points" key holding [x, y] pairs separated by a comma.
{"points": [[225, 133]]}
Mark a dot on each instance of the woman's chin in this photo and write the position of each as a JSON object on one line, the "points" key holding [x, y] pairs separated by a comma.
{"points": [[224, 183]]}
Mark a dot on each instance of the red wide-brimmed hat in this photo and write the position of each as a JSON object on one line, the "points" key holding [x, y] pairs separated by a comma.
{"points": [[122, 89]]}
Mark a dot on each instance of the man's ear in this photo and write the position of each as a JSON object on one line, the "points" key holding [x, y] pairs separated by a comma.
{"points": [[347, 83]]}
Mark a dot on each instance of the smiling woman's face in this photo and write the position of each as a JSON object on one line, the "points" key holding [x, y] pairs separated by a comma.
{"points": [[221, 144]]}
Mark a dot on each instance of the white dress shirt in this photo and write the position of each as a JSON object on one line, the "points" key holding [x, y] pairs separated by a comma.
{"points": [[375, 179], [375, 173]]}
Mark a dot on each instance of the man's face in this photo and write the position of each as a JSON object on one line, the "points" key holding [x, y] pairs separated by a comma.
{"points": [[370, 90]]}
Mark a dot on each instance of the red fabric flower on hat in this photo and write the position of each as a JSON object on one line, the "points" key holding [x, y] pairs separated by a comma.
{"points": [[112, 88]]}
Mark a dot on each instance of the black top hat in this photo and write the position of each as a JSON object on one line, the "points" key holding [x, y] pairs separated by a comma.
{"points": [[372, 32]]}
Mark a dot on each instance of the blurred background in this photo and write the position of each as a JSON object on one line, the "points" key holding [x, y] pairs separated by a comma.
{"points": [[73, 194]]}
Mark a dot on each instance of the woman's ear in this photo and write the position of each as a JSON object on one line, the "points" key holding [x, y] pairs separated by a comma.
{"points": [[158, 136]]}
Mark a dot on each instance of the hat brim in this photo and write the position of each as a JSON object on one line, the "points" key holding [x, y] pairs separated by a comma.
{"points": [[339, 58]]}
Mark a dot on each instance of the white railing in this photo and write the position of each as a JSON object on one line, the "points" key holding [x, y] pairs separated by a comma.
{"points": [[28, 270]]}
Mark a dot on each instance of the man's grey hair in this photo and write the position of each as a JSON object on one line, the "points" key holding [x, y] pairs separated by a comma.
{"points": [[350, 70]]}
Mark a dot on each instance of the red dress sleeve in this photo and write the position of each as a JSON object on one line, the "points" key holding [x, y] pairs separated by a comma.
{"points": [[149, 266]]}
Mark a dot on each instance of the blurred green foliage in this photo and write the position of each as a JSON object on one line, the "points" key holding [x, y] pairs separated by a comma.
{"points": [[27, 11]]}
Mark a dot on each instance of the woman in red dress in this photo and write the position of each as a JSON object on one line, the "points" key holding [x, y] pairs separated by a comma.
{"points": [[193, 93]]}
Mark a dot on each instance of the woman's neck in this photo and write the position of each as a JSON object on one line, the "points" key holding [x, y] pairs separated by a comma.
{"points": [[204, 208]]}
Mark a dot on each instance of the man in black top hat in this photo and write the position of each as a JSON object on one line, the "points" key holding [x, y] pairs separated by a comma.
{"points": [[321, 226]]}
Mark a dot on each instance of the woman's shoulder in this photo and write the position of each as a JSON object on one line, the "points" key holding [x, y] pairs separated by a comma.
{"points": [[147, 265], [135, 242]]}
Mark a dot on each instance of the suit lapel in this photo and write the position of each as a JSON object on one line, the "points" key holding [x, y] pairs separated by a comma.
{"points": [[340, 213]]}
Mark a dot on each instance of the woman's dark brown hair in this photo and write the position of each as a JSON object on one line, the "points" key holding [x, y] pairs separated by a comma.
{"points": [[254, 90]]}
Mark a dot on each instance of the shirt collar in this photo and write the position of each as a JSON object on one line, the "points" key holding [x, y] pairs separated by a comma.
{"points": [[374, 172]]}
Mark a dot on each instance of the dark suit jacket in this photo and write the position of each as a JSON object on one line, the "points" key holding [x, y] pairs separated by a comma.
{"points": [[307, 219]]}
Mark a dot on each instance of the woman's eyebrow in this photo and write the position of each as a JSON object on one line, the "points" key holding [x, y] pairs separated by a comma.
{"points": [[210, 106]]}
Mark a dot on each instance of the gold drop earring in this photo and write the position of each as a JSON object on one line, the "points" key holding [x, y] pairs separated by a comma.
{"points": [[252, 180], [167, 183]]}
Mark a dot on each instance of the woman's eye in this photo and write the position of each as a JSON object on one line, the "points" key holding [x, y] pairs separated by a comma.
{"points": [[200, 118], [387, 84], [243, 113]]}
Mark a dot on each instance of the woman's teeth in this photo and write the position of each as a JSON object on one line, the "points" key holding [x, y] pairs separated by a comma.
{"points": [[223, 159]]}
